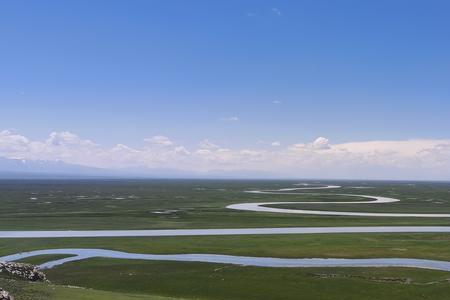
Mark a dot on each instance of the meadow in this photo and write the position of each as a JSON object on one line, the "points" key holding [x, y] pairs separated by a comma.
{"points": [[170, 204], [175, 204]]}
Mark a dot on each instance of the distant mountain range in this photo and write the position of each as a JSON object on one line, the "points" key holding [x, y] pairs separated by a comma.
{"points": [[18, 168]]}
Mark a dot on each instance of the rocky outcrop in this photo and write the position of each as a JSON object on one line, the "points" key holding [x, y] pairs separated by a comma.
{"points": [[24, 271], [4, 295]]}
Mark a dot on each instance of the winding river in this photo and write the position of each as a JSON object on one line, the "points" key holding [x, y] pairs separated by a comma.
{"points": [[80, 254], [262, 206]]}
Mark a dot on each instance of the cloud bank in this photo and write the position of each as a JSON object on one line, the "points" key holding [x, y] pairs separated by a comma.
{"points": [[407, 159]]}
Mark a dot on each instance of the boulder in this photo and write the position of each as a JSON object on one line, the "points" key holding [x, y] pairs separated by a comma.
{"points": [[24, 271], [4, 295]]}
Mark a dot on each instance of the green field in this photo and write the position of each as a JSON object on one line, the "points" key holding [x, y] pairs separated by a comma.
{"points": [[164, 204], [167, 204]]}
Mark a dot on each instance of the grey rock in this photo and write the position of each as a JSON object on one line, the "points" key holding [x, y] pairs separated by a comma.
{"points": [[21, 270], [4, 295]]}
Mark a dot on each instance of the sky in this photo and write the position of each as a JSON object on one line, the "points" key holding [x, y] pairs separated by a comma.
{"points": [[356, 89]]}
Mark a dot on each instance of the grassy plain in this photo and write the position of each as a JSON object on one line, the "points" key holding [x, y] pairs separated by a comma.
{"points": [[45, 291], [138, 204], [173, 204]]}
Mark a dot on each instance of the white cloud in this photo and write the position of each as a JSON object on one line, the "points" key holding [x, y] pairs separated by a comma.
{"points": [[407, 159], [276, 11], [12, 143], [159, 140], [230, 119], [320, 143], [277, 102], [66, 138], [206, 144]]}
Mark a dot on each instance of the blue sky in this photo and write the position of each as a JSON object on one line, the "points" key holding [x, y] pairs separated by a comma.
{"points": [[239, 73]]}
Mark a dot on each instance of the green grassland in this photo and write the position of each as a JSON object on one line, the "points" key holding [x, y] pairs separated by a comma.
{"points": [[45, 291], [164, 204], [208, 281], [139, 204], [414, 245], [216, 281]]}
